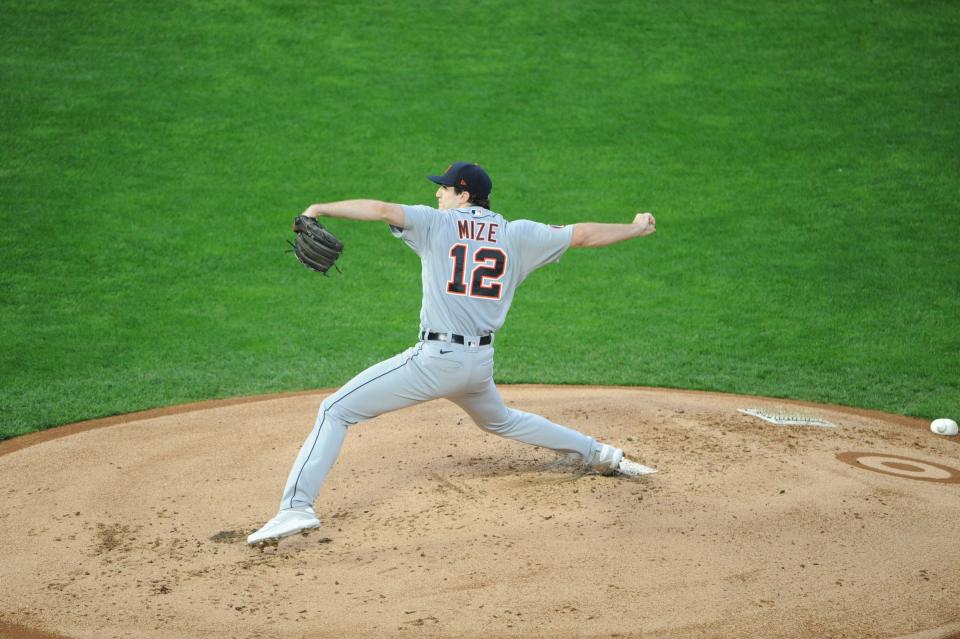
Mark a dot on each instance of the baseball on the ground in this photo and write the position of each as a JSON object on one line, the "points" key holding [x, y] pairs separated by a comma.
{"points": [[944, 426]]}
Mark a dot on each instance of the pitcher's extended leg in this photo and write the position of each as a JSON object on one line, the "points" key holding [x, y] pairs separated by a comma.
{"points": [[486, 408]]}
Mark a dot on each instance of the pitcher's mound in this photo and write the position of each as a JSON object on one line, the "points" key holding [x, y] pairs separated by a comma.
{"points": [[846, 526]]}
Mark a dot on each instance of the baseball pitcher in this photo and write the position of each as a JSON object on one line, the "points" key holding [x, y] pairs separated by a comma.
{"points": [[472, 262]]}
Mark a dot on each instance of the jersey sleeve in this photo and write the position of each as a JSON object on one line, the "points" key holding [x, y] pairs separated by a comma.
{"points": [[538, 244], [417, 220]]}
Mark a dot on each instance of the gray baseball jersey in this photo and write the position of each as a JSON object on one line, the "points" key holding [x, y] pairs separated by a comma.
{"points": [[473, 261]]}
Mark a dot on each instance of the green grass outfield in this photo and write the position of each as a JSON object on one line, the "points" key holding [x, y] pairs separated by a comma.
{"points": [[802, 159]]}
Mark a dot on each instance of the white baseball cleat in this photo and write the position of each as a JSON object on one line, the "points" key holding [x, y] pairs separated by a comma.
{"points": [[633, 469], [288, 521], [605, 459]]}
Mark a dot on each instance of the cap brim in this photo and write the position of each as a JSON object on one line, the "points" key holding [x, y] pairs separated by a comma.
{"points": [[441, 180]]}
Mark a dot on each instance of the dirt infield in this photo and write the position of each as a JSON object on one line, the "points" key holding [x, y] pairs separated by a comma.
{"points": [[135, 526]]}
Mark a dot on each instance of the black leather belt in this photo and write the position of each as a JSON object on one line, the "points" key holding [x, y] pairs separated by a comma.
{"points": [[454, 339]]}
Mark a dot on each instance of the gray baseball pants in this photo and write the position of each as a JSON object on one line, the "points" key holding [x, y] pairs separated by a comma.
{"points": [[462, 373]]}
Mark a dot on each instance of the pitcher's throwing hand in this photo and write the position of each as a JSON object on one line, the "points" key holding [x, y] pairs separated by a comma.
{"points": [[647, 221]]}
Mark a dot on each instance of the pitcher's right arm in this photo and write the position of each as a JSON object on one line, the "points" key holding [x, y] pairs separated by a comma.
{"points": [[596, 234]]}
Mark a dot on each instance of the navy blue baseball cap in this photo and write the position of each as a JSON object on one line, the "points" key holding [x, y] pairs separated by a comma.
{"points": [[468, 176]]}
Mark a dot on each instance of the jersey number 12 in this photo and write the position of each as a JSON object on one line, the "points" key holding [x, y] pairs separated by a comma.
{"points": [[490, 265]]}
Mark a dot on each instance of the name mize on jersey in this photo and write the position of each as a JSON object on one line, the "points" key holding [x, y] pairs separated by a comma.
{"points": [[479, 231]]}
